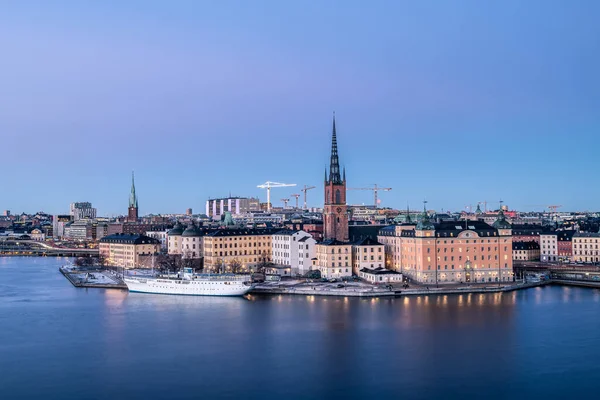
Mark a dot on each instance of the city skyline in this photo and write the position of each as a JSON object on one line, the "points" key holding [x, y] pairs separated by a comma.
{"points": [[452, 105]]}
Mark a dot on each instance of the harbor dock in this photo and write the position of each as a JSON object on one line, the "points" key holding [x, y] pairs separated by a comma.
{"points": [[361, 289], [92, 277]]}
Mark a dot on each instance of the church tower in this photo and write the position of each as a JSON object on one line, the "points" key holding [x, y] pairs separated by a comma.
{"points": [[335, 212], [132, 215]]}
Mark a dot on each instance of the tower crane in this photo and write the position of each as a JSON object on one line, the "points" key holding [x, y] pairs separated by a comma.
{"points": [[552, 207], [268, 185], [285, 203], [304, 190], [296, 196], [375, 189]]}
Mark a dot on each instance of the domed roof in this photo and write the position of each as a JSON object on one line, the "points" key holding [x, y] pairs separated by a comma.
{"points": [[191, 230], [177, 230], [424, 223], [501, 222]]}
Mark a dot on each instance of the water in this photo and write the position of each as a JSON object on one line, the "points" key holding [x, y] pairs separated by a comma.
{"points": [[59, 342]]}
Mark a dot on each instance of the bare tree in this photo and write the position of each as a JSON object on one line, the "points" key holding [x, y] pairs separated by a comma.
{"points": [[168, 263], [86, 261], [235, 266], [263, 263]]}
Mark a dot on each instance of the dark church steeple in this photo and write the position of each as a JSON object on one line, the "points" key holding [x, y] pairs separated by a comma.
{"points": [[132, 211], [334, 160], [335, 213]]}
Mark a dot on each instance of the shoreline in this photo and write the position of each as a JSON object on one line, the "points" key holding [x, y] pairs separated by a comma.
{"points": [[360, 290]]}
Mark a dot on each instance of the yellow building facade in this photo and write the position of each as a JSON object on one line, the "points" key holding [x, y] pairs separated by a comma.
{"points": [[128, 251], [246, 247]]}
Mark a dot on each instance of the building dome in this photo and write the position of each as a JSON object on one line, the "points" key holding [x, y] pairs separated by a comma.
{"points": [[191, 230], [424, 223], [501, 222], [176, 231]]}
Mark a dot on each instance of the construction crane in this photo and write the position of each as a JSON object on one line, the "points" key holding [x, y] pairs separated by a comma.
{"points": [[552, 207], [484, 205], [285, 203], [268, 185], [296, 196], [306, 189], [375, 189]]}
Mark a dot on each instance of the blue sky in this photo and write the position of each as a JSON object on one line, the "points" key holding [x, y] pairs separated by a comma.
{"points": [[453, 101]]}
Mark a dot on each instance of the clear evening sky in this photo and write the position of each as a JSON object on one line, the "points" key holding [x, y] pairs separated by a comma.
{"points": [[453, 101]]}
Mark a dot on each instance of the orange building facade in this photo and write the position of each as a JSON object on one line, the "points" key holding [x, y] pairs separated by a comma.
{"points": [[450, 252]]}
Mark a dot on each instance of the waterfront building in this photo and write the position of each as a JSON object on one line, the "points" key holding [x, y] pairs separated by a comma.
{"points": [[132, 211], [565, 245], [215, 208], [294, 249], [174, 240], [128, 251], [367, 254], [526, 251], [380, 275], [82, 210], [548, 247], [191, 242], [334, 258], [235, 247], [450, 251], [585, 247]]}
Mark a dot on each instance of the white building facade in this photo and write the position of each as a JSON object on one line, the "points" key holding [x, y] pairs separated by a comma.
{"points": [[367, 253], [295, 249], [235, 205], [548, 247], [161, 236]]}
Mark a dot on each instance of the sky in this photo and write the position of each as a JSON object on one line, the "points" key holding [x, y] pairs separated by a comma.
{"points": [[456, 102]]}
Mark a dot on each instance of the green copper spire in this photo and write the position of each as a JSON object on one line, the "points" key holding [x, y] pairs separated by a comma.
{"points": [[133, 201], [408, 220], [424, 223]]}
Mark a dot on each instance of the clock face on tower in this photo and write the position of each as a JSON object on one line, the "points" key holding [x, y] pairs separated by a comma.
{"points": [[339, 210]]}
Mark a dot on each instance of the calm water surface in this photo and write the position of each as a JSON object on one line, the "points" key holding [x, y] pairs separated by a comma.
{"points": [[59, 342]]}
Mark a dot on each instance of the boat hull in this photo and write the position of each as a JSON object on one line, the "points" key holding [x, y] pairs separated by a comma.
{"points": [[188, 288]]}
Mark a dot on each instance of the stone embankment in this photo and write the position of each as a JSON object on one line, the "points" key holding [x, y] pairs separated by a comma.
{"points": [[92, 278]]}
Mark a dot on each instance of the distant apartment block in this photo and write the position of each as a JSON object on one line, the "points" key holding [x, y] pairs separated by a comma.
{"points": [[58, 225], [215, 208], [82, 210]]}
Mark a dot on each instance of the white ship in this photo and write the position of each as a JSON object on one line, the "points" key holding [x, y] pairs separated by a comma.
{"points": [[192, 284]]}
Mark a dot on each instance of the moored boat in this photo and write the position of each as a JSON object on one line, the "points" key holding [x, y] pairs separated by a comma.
{"points": [[192, 284]]}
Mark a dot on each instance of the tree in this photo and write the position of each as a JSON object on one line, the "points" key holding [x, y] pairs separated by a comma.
{"points": [[263, 263], [235, 266], [167, 263], [86, 261]]}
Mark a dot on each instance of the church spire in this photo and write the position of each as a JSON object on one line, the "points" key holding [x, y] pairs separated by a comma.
{"points": [[334, 163], [133, 201]]}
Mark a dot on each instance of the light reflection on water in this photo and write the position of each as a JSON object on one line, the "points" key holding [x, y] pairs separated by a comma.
{"points": [[436, 346]]}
